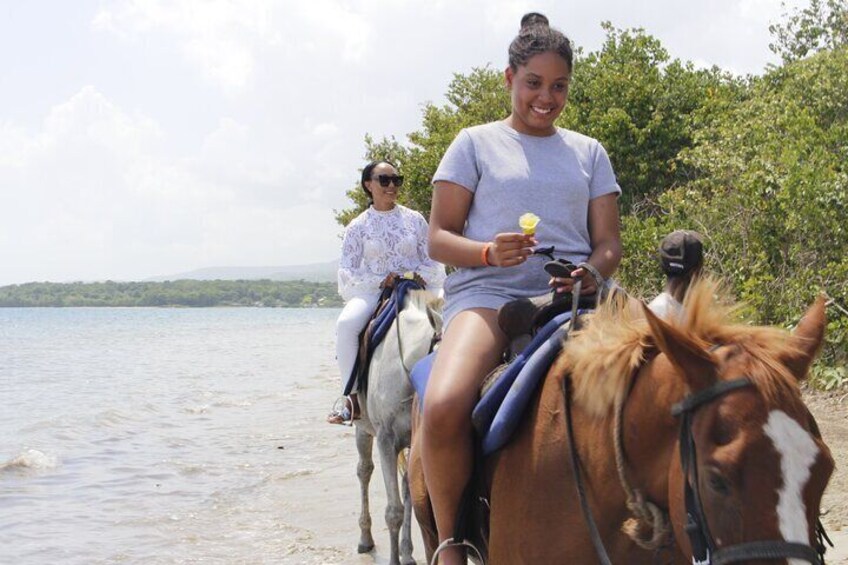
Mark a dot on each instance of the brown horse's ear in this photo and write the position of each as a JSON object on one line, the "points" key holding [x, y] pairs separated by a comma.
{"points": [[695, 364], [806, 340]]}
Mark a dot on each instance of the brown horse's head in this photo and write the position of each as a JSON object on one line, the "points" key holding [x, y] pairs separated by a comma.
{"points": [[760, 463]]}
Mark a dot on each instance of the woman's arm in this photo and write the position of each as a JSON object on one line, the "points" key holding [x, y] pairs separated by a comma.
{"points": [[448, 215], [353, 278], [605, 237], [431, 272]]}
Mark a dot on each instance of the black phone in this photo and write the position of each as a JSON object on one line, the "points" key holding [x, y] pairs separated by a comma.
{"points": [[560, 268]]}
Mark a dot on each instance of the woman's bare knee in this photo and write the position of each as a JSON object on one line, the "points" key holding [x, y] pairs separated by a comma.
{"points": [[445, 417]]}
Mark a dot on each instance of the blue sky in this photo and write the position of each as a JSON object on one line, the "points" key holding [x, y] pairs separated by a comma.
{"points": [[143, 137]]}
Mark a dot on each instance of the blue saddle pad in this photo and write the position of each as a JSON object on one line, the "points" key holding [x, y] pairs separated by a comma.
{"points": [[387, 315], [511, 409], [380, 324], [420, 374], [499, 411], [489, 404]]}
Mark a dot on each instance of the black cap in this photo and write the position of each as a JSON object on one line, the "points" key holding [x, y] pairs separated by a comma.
{"points": [[681, 252]]}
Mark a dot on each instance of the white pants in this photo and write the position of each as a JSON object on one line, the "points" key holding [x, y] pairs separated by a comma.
{"points": [[355, 314]]}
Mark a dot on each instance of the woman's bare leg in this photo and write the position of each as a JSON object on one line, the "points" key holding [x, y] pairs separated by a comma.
{"points": [[472, 346]]}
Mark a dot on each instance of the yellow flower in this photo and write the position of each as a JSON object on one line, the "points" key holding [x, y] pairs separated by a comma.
{"points": [[527, 222]]}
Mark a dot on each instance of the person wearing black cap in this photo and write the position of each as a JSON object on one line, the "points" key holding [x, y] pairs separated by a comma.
{"points": [[681, 259]]}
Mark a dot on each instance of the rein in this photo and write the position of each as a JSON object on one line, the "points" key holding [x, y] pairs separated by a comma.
{"points": [[398, 309], [578, 479], [575, 457], [406, 371], [704, 550]]}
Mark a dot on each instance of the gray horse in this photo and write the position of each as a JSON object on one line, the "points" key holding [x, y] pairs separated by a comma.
{"points": [[386, 407]]}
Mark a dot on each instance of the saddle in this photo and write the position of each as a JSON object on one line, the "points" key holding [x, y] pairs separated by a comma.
{"points": [[389, 306], [522, 318]]}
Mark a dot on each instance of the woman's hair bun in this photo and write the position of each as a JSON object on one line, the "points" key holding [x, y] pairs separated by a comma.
{"points": [[534, 19]]}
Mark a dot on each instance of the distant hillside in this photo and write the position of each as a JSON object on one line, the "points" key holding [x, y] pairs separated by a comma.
{"points": [[187, 293], [315, 272]]}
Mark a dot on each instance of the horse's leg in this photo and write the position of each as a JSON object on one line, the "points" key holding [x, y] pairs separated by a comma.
{"points": [[394, 506], [364, 444], [406, 532]]}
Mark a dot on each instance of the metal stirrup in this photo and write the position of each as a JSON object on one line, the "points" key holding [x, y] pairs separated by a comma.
{"points": [[451, 542]]}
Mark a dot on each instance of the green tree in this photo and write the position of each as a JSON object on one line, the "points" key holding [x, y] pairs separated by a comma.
{"points": [[821, 25], [642, 106], [773, 198], [173, 293]]}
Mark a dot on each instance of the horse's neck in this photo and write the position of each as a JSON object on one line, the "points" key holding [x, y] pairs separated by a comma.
{"points": [[650, 434], [428, 304]]}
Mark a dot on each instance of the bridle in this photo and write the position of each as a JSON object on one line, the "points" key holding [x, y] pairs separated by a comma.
{"points": [[704, 548]]}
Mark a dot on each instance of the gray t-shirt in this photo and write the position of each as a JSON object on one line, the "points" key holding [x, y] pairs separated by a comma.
{"points": [[510, 173]]}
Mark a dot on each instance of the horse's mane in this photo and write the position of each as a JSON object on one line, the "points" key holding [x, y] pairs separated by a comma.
{"points": [[428, 302], [604, 354]]}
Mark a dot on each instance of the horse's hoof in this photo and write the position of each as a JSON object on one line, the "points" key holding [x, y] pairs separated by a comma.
{"points": [[365, 548], [409, 561]]}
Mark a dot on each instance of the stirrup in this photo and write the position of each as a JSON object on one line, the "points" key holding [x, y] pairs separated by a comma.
{"points": [[451, 542], [340, 410]]}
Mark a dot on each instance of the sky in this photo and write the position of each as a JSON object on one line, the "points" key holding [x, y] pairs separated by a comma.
{"points": [[141, 138]]}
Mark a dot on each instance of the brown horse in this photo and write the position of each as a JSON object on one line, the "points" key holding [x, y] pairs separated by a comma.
{"points": [[757, 467]]}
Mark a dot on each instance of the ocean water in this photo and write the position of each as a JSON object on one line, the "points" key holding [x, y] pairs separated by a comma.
{"points": [[175, 436]]}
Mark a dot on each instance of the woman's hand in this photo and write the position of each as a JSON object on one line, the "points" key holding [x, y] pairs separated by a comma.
{"points": [[389, 281], [566, 284], [510, 249], [420, 280]]}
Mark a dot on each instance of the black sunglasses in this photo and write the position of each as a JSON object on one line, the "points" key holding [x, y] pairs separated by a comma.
{"points": [[384, 180]]}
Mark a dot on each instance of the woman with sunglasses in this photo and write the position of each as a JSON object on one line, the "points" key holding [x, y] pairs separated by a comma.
{"points": [[489, 176], [384, 242]]}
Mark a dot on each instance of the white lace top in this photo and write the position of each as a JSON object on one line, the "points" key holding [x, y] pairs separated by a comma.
{"points": [[378, 243]]}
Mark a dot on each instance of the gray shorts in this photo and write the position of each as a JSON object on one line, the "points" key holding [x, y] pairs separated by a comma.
{"points": [[476, 297], [473, 298]]}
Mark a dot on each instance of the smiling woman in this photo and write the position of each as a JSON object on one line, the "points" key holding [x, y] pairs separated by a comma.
{"points": [[385, 241], [489, 176], [382, 186]]}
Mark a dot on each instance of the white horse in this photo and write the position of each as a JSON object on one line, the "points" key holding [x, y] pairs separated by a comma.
{"points": [[385, 414]]}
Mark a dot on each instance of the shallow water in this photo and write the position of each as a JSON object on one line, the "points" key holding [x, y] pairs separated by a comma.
{"points": [[176, 436]]}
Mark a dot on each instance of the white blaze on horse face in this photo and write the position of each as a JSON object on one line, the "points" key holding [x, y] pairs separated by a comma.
{"points": [[798, 452]]}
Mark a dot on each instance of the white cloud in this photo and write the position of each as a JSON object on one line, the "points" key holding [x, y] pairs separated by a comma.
{"points": [[226, 39], [330, 21], [220, 37], [217, 132], [95, 197], [325, 130]]}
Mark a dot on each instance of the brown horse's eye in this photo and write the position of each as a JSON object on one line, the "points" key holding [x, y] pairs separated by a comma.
{"points": [[717, 483]]}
